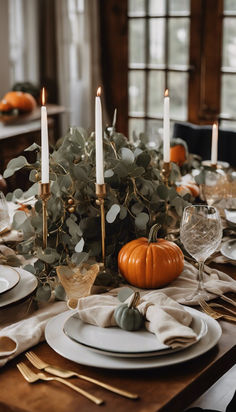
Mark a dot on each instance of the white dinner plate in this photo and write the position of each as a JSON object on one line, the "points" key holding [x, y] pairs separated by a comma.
{"points": [[121, 343], [230, 216], [26, 285], [228, 249], [75, 352], [9, 278]]}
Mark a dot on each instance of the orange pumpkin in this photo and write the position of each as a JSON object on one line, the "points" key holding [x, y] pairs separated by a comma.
{"points": [[5, 106], [191, 188], [25, 102], [178, 154], [148, 263]]}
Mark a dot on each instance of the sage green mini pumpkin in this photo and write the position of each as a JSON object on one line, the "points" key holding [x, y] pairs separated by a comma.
{"points": [[128, 318]]}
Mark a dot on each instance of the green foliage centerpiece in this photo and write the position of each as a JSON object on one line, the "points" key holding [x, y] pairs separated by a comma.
{"points": [[136, 198]]}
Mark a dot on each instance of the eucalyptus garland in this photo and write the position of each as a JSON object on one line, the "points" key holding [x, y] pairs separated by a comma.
{"points": [[136, 199]]}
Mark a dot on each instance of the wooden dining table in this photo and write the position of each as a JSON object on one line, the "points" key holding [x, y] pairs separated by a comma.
{"points": [[168, 389]]}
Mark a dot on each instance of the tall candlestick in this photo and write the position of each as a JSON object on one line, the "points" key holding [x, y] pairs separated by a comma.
{"points": [[99, 139], [214, 144], [166, 128], [44, 142]]}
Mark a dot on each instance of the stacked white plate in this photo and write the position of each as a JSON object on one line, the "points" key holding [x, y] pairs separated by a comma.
{"points": [[16, 284], [114, 348]]}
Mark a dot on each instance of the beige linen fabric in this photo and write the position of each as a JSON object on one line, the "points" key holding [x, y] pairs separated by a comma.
{"points": [[164, 317]]}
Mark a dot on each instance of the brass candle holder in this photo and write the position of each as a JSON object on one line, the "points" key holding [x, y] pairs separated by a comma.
{"points": [[101, 194], [44, 195], [165, 172]]}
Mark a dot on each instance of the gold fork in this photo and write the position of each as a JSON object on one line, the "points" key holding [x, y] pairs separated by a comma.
{"points": [[65, 373], [213, 313], [32, 377], [218, 305]]}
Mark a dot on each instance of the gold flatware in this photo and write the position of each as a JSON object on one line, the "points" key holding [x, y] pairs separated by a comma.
{"points": [[213, 313], [65, 373], [32, 377], [218, 305], [226, 299]]}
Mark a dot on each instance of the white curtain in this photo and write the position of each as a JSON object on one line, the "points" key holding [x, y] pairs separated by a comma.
{"points": [[78, 60]]}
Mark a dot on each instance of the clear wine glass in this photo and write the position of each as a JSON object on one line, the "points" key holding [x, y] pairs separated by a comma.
{"points": [[200, 233]]}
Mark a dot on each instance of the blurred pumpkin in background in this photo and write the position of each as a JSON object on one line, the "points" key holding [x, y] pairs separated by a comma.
{"points": [[178, 151], [24, 102]]}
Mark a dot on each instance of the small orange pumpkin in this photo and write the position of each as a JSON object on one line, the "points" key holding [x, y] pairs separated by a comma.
{"points": [[191, 188], [25, 102], [148, 263], [178, 151]]}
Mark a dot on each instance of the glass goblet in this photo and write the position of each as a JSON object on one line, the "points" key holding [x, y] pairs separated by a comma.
{"points": [[200, 233]]}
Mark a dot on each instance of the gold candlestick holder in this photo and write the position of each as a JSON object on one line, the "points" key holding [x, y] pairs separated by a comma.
{"points": [[165, 172], [44, 195], [101, 194]]}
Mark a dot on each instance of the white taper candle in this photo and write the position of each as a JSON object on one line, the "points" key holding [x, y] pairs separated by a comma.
{"points": [[99, 139], [166, 128], [44, 142], [214, 144]]}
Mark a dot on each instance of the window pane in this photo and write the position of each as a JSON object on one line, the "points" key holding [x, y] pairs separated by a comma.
{"points": [[228, 101], [178, 89], [179, 6], [136, 6], [178, 41], [229, 5], [157, 8], [229, 42], [157, 37], [136, 126], [155, 93], [154, 132], [136, 91], [137, 41], [225, 124]]}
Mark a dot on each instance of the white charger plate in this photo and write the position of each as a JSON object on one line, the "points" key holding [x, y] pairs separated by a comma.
{"points": [[121, 343], [27, 284], [9, 278], [228, 249], [75, 352]]}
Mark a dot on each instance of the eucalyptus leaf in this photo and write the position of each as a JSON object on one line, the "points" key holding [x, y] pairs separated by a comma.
{"points": [[112, 213], [60, 293], [34, 146], [162, 191], [126, 155], [19, 218], [79, 246], [108, 173], [43, 293], [30, 268], [79, 258], [14, 165], [48, 255], [141, 221]]}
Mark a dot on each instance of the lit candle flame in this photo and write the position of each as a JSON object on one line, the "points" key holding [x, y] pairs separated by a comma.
{"points": [[99, 91], [166, 93], [43, 96], [216, 123]]}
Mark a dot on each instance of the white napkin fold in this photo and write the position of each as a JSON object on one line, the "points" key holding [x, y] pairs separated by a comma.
{"points": [[30, 331], [163, 316]]}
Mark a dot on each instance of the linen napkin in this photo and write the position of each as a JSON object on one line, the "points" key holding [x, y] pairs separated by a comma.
{"points": [[215, 282], [164, 317], [29, 331]]}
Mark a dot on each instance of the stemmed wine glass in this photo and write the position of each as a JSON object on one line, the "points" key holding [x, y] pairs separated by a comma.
{"points": [[200, 233]]}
